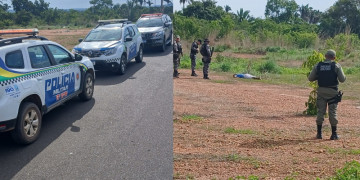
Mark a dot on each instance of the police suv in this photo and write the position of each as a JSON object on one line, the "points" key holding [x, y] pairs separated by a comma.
{"points": [[111, 45], [37, 75], [156, 30]]}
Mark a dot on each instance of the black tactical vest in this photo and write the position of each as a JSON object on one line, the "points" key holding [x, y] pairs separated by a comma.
{"points": [[203, 51], [327, 76], [194, 46]]}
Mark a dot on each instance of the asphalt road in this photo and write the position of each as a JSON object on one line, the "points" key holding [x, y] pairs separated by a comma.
{"points": [[124, 132]]}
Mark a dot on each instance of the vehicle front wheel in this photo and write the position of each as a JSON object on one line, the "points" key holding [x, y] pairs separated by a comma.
{"points": [[28, 124], [139, 57], [88, 87], [122, 66], [163, 46]]}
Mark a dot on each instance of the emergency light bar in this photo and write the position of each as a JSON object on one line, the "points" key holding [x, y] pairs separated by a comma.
{"points": [[155, 14], [113, 21], [20, 31]]}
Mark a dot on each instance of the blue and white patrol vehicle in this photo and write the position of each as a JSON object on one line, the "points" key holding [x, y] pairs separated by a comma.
{"points": [[111, 45], [37, 75]]}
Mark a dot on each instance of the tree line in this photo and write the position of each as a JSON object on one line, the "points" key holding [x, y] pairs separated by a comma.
{"points": [[285, 15], [38, 13]]}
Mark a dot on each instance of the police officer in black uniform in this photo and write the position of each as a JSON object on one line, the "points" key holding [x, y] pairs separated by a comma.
{"points": [[194, 50], [177, 51], [328, 74], [206, 53]]}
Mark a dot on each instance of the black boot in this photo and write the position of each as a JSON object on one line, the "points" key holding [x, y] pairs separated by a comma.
{"points": [[319, 135], [206, 76], [176, 74], [193, 73], [334, 135]]}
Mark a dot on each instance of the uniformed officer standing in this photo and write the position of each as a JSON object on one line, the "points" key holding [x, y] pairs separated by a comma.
{"points": [[206, 53], [177, 51], [194, 50], [328, 74]]}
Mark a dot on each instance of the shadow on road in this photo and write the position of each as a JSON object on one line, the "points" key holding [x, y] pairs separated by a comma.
{"points": [[152, 52], [104, 78], [14, 157]]}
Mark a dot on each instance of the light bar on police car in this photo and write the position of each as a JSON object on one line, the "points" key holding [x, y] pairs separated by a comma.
{"points": [[19, 31], [112, 20]]}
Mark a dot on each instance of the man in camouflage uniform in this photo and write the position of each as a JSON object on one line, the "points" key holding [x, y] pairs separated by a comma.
{"points": [[206, 53], [194, 50], [328, 74], [177, 51]]}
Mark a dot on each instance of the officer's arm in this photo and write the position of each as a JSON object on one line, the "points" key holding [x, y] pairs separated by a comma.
{"points": [[208, 50], [313, 74], [340, 73], [193, 47], [175, 47]]}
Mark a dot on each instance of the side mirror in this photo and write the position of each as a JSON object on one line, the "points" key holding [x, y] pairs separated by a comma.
{"points": [[80, 40], [78, 57], [128, 39]]}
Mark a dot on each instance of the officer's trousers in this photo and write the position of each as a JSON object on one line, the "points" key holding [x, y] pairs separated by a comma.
{"points": [[176, 59], [322, 105], [193, 61]]}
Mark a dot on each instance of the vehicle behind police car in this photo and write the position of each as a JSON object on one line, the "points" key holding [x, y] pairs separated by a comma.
{"points": [[37, 75], [112, 45]]}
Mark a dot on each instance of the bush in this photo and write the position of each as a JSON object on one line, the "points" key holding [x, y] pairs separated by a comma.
{"points": [[269, 67], [350, 171], [221, 48]]}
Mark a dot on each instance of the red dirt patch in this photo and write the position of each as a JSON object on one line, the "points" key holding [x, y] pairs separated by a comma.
{"points": [[273, 139]]}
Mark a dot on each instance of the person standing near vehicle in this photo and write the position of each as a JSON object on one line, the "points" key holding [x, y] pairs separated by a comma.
{"points": [[206, 53], [177, 51], [194, 50], [328, 74]]}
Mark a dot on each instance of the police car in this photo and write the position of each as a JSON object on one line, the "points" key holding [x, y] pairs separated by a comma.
{"points": [[156, 30], [37, 75], [111, 45]]}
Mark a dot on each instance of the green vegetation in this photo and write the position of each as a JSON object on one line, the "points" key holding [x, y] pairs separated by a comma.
{"points": [[251, 177], [231, 130], [350, 171], [38, 13], [238, 158], [191, 117]]}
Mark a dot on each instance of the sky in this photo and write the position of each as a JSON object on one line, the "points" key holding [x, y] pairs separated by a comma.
{"points": [[257, 7], [71, 4]]}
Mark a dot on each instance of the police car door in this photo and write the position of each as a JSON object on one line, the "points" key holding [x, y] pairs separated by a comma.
{"points": [[70, 71], [130, 42], [47, 77]]}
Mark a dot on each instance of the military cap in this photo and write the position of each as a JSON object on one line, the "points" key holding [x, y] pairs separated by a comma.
{"points": [[206, 40], [177, 36], [330, 53], [199, 40]]}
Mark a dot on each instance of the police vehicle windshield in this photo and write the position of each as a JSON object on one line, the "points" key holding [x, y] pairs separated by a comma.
{"points": [[104, 34], [149, 22]]}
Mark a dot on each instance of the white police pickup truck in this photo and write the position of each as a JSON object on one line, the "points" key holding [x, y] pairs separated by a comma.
{"points": [[111, 45], [37, 75]]}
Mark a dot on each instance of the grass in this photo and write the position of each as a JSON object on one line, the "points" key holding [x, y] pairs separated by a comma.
{"points": [[343, 151], [191, 117], [238, 158], [350, 171], [231, 130]]}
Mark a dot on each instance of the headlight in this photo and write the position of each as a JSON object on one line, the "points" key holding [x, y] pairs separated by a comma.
{"points": [[109, 52], [158, 34]]}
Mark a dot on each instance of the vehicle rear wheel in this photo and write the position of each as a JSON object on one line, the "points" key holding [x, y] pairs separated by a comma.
{"points": [[139, 57], [122, 66], [88, 87], [28, 124]]}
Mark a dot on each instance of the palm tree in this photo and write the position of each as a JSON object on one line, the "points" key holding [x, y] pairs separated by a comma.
{"points": [[227, 8], [243, 15], [149, 3], [183, 2]]}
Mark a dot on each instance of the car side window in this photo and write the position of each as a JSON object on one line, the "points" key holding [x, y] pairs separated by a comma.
{"points": [[132, 32], [127, 33], [14, 60], [60, 55], [38, 57]]}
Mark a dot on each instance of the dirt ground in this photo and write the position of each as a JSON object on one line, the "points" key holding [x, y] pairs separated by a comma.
{"points": [[226, 128]]}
